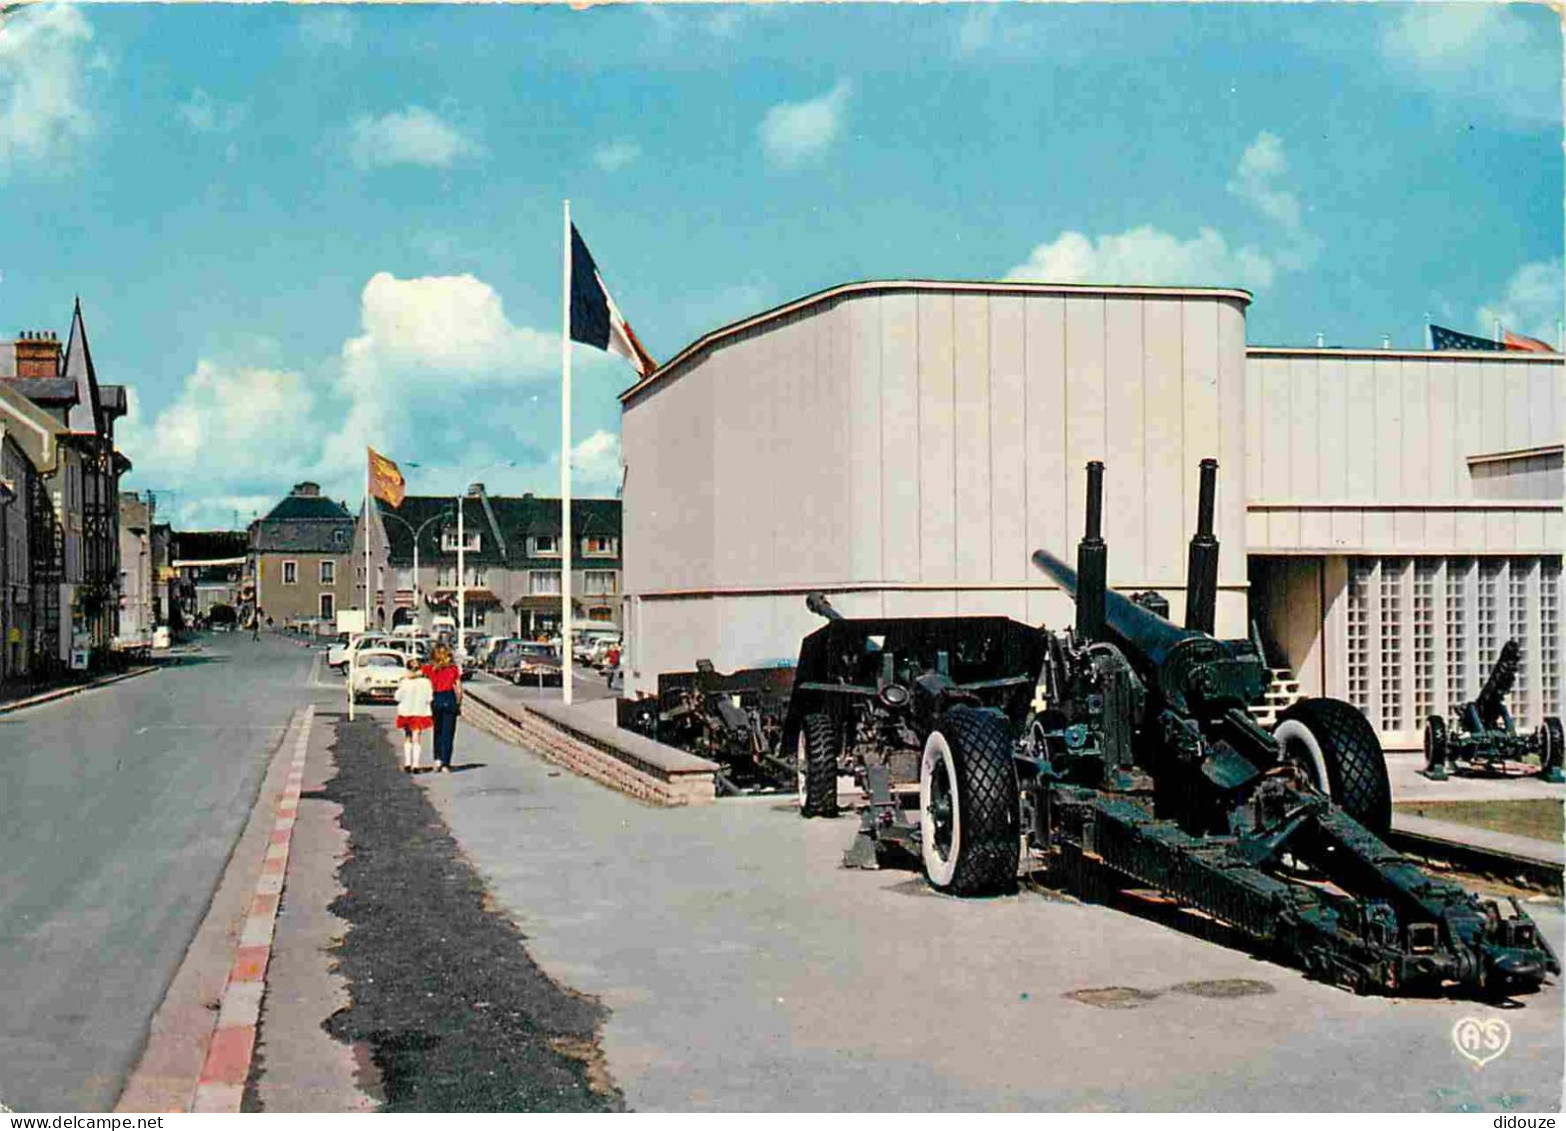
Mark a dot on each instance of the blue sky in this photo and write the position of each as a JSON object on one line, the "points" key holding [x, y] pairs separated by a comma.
{"points": [[297, 230]]}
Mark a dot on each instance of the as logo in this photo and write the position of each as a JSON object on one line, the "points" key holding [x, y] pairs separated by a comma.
{"points": [[1481, 1041]]}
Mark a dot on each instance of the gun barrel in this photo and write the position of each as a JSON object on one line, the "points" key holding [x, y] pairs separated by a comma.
{"points": [[1201, 571], [1092, 559], [818, 604], [1138, 629]]}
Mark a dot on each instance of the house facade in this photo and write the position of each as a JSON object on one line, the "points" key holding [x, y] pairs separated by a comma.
{"points": [[512, 562], [139, 613], [81, 482], [209, 570], [298, 566]]}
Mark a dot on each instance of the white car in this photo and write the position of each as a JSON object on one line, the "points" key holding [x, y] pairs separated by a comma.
{"points": [[338, 655], [375, 674]]}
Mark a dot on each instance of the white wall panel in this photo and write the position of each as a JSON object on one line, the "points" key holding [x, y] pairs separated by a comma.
{"points": [[1085, 408], [1125, 507], [974, 448], [937, 446], [1164, 546], [900, 457], [1008, 440], [1045, 422], [861, 321]]}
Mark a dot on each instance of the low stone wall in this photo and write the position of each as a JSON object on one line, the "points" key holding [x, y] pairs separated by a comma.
{"points": [[689, 782]]}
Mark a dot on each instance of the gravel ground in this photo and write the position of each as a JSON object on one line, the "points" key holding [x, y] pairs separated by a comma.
{"points": [[445, 999]]}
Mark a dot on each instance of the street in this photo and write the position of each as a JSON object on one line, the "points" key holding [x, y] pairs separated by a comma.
{"points": [[118, 810]]}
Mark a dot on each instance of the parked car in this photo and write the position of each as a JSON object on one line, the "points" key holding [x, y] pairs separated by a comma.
{"points": [[537, 665], [338, 655], [375, 674]]}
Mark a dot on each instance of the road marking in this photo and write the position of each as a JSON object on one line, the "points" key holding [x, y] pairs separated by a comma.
{"points": [[221, 1086]]}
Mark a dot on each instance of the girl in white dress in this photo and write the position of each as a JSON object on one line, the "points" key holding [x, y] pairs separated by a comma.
{"points": [[414, 716]]}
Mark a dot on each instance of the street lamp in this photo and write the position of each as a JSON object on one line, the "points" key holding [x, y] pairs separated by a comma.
{"points": [[416, 534], [462, 576]]}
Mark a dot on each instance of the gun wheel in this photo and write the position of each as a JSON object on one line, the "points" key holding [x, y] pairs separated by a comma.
{"points": [[817, 766], [1337, 747], [968, 817], [1435, 742]]}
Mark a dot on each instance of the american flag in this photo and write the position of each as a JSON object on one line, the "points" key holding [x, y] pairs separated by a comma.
{"points": [[1443, 339]]}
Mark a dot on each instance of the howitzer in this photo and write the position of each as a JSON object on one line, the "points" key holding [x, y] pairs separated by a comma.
{"points": [[1147, 711], [1485, 736], [1143, 765]]}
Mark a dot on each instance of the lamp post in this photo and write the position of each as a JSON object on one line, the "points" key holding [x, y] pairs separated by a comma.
{"points": [[462, 546], [416, 534]]}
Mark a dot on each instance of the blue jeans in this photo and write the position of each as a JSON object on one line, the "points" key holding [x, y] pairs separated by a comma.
{"points": [[444, 708]]}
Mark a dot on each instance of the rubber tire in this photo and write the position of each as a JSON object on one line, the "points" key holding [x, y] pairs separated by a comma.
{"points": [[1435, 736], [974, 748], [817, 752], [1356, 767], [1554, 744]]}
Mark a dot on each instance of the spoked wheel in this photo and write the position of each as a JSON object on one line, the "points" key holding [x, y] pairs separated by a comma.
{"points": [[1552, 749], [1338, 750], [816, 765], [968, 810]]}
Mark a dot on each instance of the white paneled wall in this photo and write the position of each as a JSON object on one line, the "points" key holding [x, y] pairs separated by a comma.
{"points": [[908, 446]]}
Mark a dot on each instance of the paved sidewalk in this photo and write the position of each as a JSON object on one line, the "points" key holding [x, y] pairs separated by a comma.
{"points": [[744, 970]]}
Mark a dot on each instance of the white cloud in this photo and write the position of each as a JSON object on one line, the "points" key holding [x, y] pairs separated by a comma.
{"points": [[1503, 56], [206, 115], [326, 27], [43, 112], [616, 155], [793, 133], [595, 463], [1148, 255], [414, 136], [1530, 305], [230, 429]]}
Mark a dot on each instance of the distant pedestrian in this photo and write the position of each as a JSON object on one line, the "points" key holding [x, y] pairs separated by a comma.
{"points": [[255, 625], [415, 713], [446, 681], [611, 663]]}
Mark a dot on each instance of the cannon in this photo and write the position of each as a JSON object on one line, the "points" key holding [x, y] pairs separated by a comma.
{"points": [[734, 719], [1141, 765], [868, 692], [1485, 738]]}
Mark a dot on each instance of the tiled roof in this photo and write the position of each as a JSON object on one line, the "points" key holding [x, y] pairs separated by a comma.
{"points": [[45, 390], [519, 518], [295, 507], [305, 536]]}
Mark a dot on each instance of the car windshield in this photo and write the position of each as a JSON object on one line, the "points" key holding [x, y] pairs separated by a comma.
{"points": [[381, 660], [537, 651]]}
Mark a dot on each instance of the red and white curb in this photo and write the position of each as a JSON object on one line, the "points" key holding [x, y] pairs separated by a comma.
{"points": [[221, 1085]]}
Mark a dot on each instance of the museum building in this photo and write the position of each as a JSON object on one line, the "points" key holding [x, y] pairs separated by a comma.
{"points": [[1388, 518]]}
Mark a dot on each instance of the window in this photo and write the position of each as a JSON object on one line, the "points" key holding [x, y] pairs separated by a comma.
{"points": [[1391, 644], [1424, 637], [448, 540], [290, 573], [339, 537], [328, 606], [478, 577], [446, 577], [545, 545], [598, 546], [1457, 617], [1359, 634], [328, 572], [1517, 615], [1549, 637], [544, 583], [600, 582]]}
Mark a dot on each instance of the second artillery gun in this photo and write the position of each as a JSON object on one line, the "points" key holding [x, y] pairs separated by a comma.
{"points": [[1485, 736], [1144, 766]]}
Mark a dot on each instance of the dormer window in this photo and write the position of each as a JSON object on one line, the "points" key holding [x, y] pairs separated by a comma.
{"points": [[545, 546], [597, 546], [448, 540]]}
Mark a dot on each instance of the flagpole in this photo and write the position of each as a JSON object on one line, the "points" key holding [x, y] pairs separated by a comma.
{"points": [[368, 621], [565, 464]]}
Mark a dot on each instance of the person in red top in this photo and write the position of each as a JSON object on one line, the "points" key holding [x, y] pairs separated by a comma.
{"points": [[446, 680]]}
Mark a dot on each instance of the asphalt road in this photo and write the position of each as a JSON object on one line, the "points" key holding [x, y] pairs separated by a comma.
{"points": [[118, 810]]}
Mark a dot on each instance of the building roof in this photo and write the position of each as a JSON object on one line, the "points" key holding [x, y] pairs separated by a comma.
{"points": [[45, 390], [209, 545], [294, 508], [304, 523], [515, 520], [869, 287]]}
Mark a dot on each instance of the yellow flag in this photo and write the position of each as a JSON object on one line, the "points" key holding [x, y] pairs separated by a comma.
{"points": [[385, 479]]}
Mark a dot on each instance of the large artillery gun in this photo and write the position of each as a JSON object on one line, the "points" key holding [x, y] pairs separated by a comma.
{"points": [[1485, 739], [1144, 767]]}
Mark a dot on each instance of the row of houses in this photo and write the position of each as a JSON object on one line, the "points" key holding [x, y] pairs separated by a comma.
{"points": [[59, 504], [307, 560], [173, 578]]}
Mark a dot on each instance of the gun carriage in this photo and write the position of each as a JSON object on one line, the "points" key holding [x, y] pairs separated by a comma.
{"points": [[734, 719], [1484, 738], [1141, 764]]}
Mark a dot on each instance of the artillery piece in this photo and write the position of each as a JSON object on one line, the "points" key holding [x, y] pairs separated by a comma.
{"points": [[1485, 737], [1145, 766]]}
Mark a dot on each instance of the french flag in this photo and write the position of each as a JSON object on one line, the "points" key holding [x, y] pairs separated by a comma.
{"points": [[595, 320]]}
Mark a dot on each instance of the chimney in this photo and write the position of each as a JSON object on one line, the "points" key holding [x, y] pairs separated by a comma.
{"points": [[475, 490], [1386, 341], [1321, 341], [37, 354], [307, 489]]}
